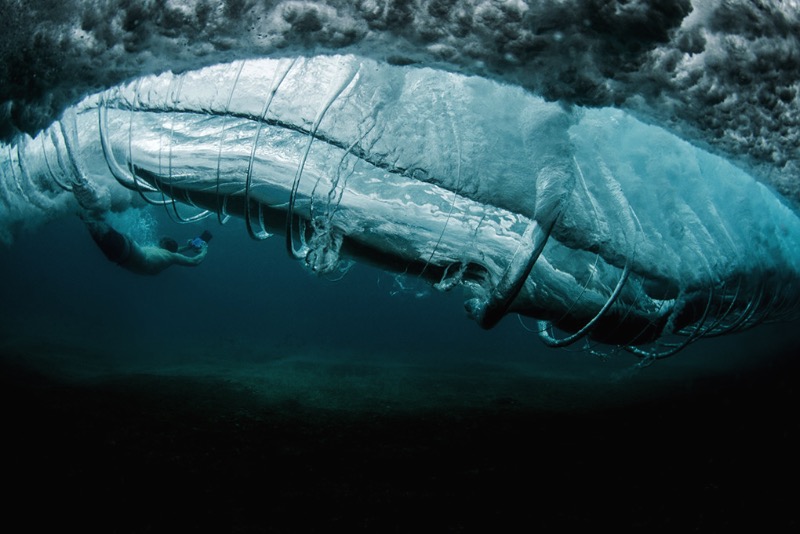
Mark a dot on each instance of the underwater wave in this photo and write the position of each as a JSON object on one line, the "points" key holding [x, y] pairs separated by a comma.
{"points": [[603, 228]]}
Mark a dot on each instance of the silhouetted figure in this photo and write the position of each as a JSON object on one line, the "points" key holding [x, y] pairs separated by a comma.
{"points": [[123, 250], [142, 259]]}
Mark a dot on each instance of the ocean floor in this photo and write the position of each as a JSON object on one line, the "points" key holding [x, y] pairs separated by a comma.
{"points": [[302, 444]]}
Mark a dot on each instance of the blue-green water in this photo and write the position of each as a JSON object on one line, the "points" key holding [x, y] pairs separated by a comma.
{"points": [[249, 395]]}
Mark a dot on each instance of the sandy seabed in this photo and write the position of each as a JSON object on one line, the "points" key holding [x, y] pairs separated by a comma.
{"points": [[307, 444]]}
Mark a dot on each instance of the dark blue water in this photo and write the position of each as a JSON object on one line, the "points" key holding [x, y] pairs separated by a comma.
{"points": [[249, 395]]}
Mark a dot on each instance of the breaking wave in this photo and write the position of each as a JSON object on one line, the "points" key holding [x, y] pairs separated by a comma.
{"points": [[603, 228]]}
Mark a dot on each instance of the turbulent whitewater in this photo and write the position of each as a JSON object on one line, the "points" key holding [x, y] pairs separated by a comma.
{"points": [[603, 228]]}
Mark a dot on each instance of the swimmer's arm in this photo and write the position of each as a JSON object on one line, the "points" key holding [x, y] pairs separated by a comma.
{"points": [[153, 260], [190, 261]]}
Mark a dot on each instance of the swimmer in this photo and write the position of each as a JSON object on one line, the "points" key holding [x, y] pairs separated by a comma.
{"points": [[124, 251], [143, 259]]}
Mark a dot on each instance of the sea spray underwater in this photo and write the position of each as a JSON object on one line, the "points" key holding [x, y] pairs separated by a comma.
{"points": [[590, 221]]}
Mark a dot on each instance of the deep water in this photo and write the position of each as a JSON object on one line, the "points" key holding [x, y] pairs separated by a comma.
{"points": [[247, 395]]}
